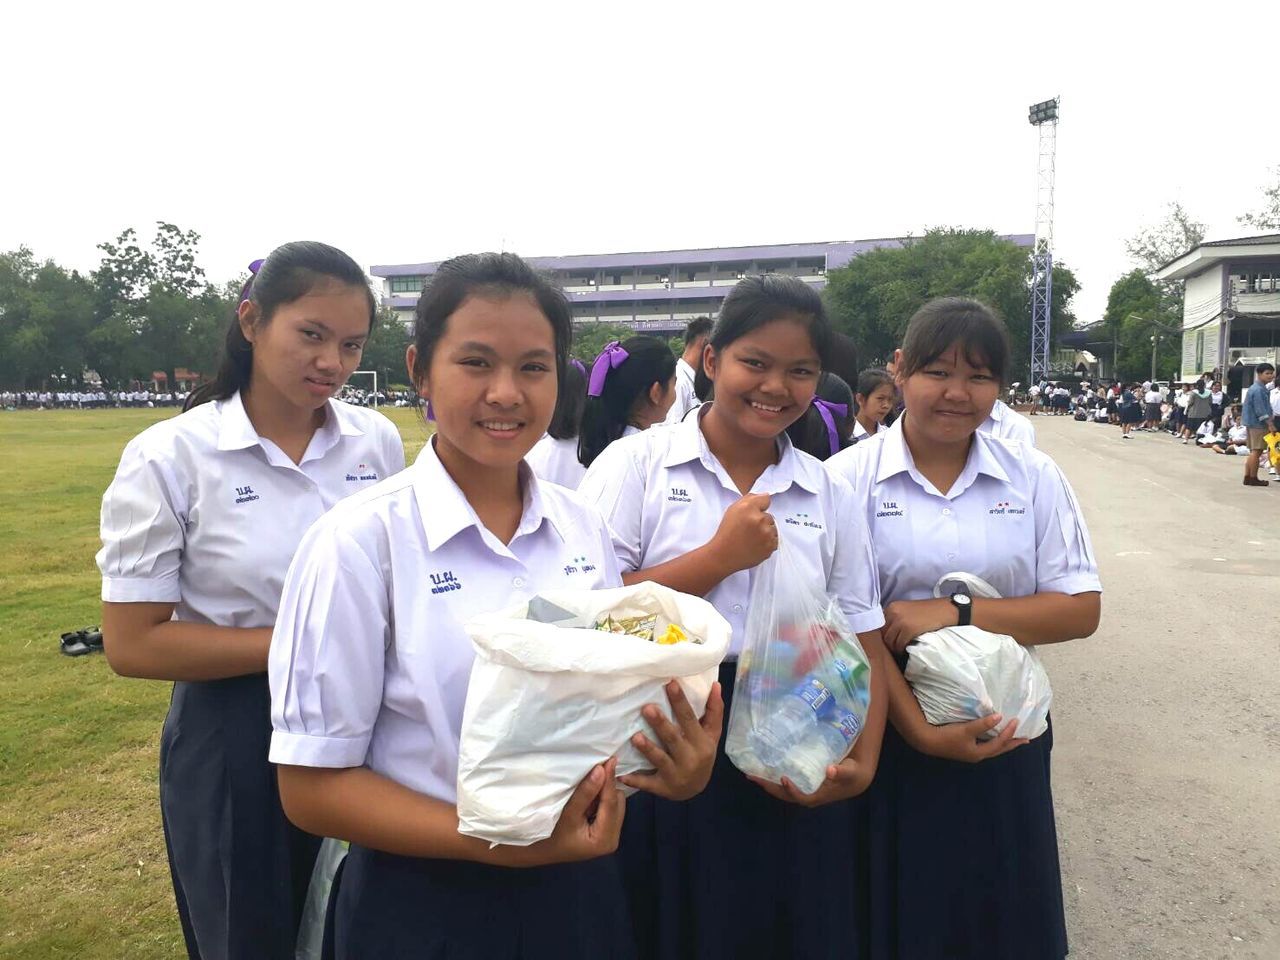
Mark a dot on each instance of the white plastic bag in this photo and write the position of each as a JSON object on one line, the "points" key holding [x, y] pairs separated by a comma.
{"points": [[964, 673], [546, 703], [803, 685]]}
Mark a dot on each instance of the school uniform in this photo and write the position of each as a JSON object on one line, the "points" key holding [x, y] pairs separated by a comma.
{"points": [[734, 872], [369, 667], [556, 461], [861, 433], [686, 399], [964, 858], [205, 514], [1009, 424]]}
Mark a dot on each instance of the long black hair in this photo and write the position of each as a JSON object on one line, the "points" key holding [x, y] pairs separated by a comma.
{"points": [[756, 301], [499, 275], [649, 361], [292, 271], [573, 399]]}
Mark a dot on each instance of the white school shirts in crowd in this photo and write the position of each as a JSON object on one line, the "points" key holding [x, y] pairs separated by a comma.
{"points": [[556, 461], [664, 493], [1274, 396], [1008, 423], [205, 514], [860, 432], [369, 662], [1152, 396], [1010, 518], [686, 399]]}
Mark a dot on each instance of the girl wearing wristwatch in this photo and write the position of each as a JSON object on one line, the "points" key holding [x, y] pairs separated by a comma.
{"points": [[963, 829]]}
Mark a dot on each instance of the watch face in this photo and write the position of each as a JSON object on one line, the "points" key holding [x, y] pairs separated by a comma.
{"points": [[961, 598]]}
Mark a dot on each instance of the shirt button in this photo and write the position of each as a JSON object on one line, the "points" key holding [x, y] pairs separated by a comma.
{"points": [[518, 582], [737, 608], [946, 511]]}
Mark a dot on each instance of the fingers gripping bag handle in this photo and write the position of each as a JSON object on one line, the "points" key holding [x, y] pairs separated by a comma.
{"points": [[803, 685]]}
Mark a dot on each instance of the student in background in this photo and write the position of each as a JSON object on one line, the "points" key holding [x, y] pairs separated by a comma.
{"points": [[695, 340], [874, 399], [827, 426], [630, 388]]}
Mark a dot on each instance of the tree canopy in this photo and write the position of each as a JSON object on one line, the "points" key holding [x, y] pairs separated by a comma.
{"points": [[872, 298]]}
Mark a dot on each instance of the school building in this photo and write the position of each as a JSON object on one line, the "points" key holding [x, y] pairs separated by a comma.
{"points": [[1231, 306], [658, 291]]}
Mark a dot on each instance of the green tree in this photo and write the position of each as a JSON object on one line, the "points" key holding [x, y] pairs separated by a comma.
{"points": [[46, 313], [872, 298], [385, 350], [590, 338], [1267, 218], [1137, 311]]}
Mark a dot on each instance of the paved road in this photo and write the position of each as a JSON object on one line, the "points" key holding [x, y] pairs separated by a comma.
{"points": [[1167, 758]]}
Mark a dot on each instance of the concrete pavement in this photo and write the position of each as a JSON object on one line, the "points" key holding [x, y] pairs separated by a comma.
{"points": [[1167, 752]]}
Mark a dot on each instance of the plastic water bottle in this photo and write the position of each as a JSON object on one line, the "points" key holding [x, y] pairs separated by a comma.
{"points": [[796, 714], [824, 743]]}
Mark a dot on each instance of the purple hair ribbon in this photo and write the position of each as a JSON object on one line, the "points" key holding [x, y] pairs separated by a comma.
{"points": [[431, 414], [253, 272], [825, 410], [611, 357], [582, 367]]}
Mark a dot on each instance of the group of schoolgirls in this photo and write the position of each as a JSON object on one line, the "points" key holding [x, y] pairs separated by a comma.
{"points": [[267, 552]]}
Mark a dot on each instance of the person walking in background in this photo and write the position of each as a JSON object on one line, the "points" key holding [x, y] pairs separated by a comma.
{"points": [[1199, 407], [1259, 419]]}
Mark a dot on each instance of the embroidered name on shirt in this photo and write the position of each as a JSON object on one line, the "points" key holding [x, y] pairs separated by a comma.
{"points": [[802, 520], [444, 582], [363, 472], [1005, 508], [578, 565], [679, 495], [889, 508], [245, 495]]}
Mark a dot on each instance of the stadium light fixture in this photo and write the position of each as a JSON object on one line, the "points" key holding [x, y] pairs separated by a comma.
{"points": [[1042, 112]]}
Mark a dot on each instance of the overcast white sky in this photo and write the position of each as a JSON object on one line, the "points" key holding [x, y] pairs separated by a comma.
{"points": [[405, 132]]}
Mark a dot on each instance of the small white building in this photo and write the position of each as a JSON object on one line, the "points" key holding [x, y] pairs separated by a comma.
{"points": [[1231, 306]]}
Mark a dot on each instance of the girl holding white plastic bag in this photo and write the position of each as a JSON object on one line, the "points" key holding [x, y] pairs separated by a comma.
{"points": [[369, 662], [965, 860], [748, 868]]}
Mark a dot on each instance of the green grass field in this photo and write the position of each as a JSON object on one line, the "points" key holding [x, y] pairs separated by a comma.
{"points": [[82, 864]]}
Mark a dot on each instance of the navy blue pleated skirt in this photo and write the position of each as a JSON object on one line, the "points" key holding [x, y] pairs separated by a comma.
{"points": [[962, 859], [405, 908], [240, 869], [736, 873]]}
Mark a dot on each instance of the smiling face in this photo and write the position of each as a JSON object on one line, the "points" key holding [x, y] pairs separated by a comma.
{"points": [[491, 381], [947, 399], [765, 379], [309, 347]]}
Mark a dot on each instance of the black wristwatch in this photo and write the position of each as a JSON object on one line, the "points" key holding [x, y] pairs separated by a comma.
{"points": [[964, 604]]}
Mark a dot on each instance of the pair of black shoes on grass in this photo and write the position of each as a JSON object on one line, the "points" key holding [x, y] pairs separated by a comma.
{"points": [[79, 642]]}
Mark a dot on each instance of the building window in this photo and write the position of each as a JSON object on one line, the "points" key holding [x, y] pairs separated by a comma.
{"points": [[407, 284]]}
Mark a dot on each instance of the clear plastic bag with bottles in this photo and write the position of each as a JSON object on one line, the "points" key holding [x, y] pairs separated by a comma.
{"points": [[803, 685]]}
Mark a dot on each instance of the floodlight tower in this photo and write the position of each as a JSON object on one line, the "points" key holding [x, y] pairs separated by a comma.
{"points": [[1045, 116]]}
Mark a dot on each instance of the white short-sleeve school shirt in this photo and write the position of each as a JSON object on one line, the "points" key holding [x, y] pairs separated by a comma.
{"points": [[664, 493], [1011, 518], [556, 461], [369, 662], [1008, 424], [686, 399], [205, 514]]}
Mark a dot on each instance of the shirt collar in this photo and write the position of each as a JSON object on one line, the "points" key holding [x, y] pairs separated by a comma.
{"points": [[236, 430], [446, 512], [998, 411], [688, 444], [895, 458], [685, 369]]}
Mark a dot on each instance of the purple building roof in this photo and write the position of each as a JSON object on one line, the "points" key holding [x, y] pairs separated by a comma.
{"points": [[836, 254]]}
